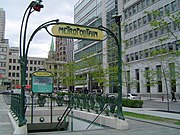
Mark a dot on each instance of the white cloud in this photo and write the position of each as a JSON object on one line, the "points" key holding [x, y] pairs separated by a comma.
{"points": [[53, 9]]}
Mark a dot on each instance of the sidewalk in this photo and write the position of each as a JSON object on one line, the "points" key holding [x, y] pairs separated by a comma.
{"points": [[5, 123], [136, 127], [158, 99]]}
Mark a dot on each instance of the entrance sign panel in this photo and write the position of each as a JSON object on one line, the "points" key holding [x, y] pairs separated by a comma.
{"points": [[77, 31], [42, 82]]}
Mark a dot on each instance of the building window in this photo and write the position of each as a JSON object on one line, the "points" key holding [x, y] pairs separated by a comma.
{"points": [[31, 62], [9, 67], [149, 17], [146, 53], [17, 67], [137, 78], [135, 24], [134, 9], [2, 64], [135, 40], [14, 67], [147, 77], [10, 60], [145, 36], [141, 54], [137, 74], [163, 48], [151, 51], [127, 58], [167, 8], [177, 46], [13, 75], [156, 33], [160, 11], [136, 56], [139, 22], [131, 42], [130, 11], [127, 43], [150, 34], [140, 38], [130, 26], [139, 7], [144, 19], [2, 57], [143, 4], [132, 57], [128, 82], [126, 28], [3, 49], [172, 76], [159, 78], [170, 47], [14, 60], [175, 27], [173, 6], [148, 2], [125, 14]]}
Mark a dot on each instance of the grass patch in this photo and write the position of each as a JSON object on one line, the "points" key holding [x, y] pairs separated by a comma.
{"points": [[154, 118]]}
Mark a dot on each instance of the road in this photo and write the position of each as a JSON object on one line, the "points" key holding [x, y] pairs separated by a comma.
{"points": [[162, 105]]}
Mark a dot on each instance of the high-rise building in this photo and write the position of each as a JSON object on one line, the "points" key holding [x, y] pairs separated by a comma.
{"points": [[2, 24], [64, 49], [10, 62], [93, 13], [151, 65], [140, 41]]}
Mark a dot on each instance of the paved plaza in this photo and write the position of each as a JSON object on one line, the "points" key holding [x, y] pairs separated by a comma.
{"points": [[136, 126]]}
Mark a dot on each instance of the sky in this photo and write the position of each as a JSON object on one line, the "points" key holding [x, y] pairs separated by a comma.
{"points": [[53, 9]]}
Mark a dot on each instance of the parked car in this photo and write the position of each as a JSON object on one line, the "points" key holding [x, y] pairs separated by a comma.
{"points": [[133, 96]]}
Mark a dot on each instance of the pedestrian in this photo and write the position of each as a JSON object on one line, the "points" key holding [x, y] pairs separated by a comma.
{"points": [[173, 95]]}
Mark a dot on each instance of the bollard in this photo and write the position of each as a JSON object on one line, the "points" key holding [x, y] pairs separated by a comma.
{"points": [[162, 98]]}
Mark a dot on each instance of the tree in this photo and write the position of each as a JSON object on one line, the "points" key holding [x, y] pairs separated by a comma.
{"points": [[92, 67], [162, 55], [69, 71], [150, 76]]}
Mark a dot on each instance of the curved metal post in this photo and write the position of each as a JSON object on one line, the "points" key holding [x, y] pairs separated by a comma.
{"points": [[23, 58]]}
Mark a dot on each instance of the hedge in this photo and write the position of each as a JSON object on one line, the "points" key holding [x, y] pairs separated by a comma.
{"points": [[132, 103]]}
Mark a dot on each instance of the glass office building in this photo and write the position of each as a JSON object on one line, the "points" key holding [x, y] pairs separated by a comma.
{"points": [[143, 72]]}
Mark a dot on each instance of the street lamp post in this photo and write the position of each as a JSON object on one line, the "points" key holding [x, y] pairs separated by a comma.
{"points": [[118, 43], [33, 6], [118, 19]]}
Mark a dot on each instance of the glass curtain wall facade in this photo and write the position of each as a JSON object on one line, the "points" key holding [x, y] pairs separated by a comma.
{"points": [[90, 13], [140, 41]]}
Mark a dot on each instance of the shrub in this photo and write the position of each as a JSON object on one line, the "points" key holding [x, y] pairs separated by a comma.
{"points": [[132, 103]]}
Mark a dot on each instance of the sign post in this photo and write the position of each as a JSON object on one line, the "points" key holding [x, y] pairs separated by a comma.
{"points": [[42, 83]]}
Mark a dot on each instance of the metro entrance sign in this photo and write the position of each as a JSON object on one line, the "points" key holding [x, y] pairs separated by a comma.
{"points": [[42, 82], [77, 31]]}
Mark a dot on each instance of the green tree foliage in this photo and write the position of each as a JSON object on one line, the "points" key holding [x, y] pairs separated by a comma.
{"points": [[163, 56]]}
